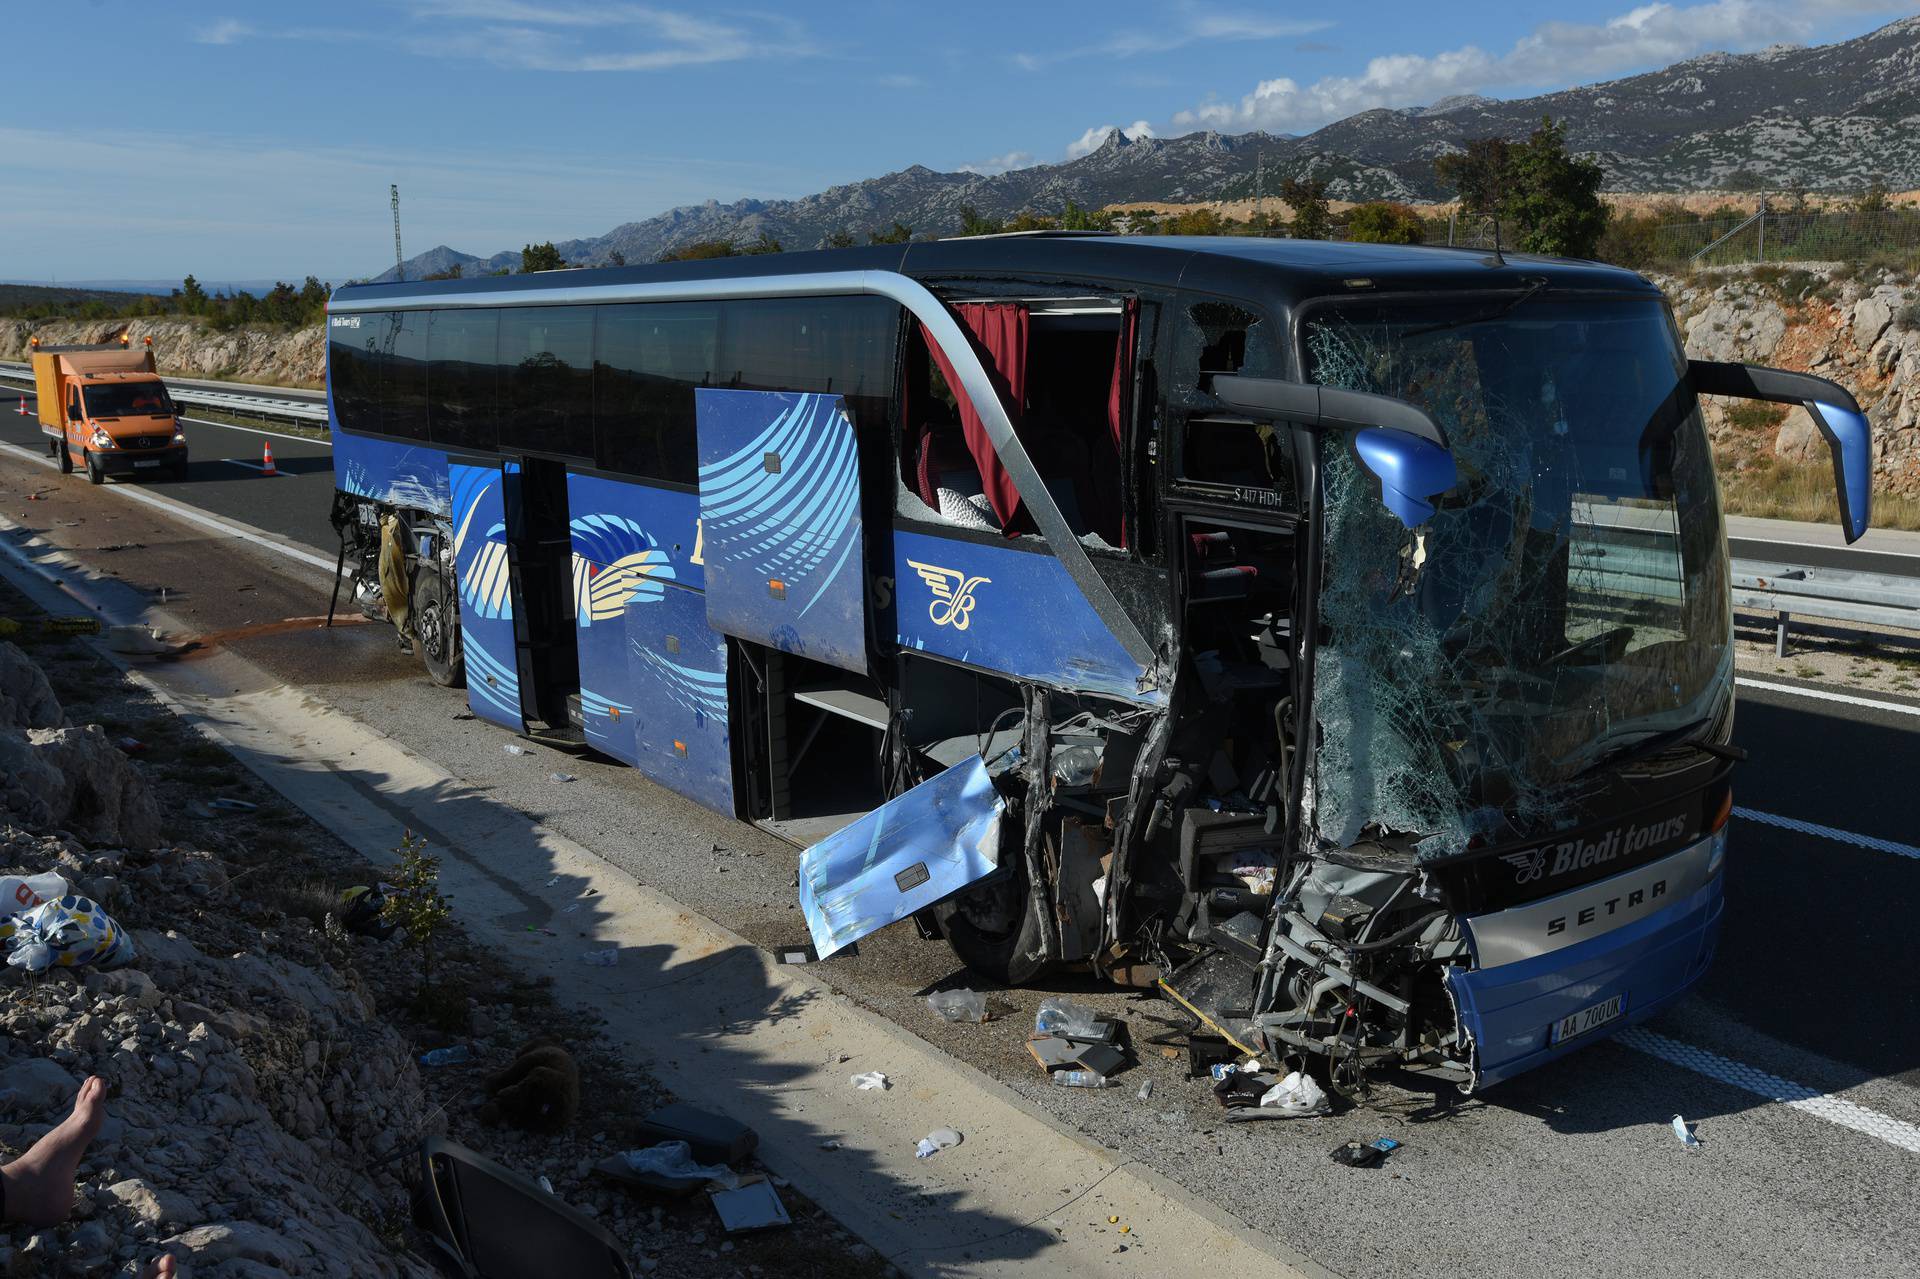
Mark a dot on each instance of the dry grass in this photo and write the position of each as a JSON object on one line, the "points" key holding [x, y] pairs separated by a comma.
{"points": [[1771, 489]]}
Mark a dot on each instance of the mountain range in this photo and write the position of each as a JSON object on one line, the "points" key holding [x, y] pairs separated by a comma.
{"points": [[1830, 117]]}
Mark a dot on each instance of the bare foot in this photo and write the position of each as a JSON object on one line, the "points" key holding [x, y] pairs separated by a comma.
{"points": [[160, 1269], [39, 1184]]}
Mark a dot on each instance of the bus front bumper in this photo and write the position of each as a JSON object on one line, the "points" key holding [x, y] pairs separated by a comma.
{"points": [[1516, 1014]]}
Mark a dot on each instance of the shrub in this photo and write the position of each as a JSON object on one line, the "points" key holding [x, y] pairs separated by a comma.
{"points": [[1384, 222]]}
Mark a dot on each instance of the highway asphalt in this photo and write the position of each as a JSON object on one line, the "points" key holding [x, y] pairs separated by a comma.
{"points": [[1798, 1056]]}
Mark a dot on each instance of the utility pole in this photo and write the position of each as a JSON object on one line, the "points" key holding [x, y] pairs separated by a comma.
{"points": [[399, 270]]}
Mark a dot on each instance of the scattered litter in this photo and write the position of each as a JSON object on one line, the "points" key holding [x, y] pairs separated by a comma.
{"points": [[871, 1080], [936, 1141], [714, 1139], [69, 931], [1081, 1079], [553, 881], [1057, 1016], [512, 749], [672, 1163], [130, 745], [225, 805], [546, 1185], [830, 1144], [1146, 1090], [1297, 1095], [1684, 1131], [755, 1206], [959, 1005], [544, 932], [562, 777], [568, 910], [361, 907], [602, 958], [1364, 1154], [464, 715], [18, 893], [135, 641], [458, 1054], [1113, 1221]]}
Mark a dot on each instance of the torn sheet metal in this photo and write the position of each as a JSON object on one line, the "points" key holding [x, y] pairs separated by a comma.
{"points": [[906, 854]]}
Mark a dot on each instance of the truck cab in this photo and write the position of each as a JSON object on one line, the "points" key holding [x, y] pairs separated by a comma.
{"points": [[105, 408]]}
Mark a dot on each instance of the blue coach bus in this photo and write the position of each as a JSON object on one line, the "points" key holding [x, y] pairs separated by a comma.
{"points": [[1334, 636]]}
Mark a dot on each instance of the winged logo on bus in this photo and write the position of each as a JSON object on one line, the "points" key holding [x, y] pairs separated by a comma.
{"points": [[1527, 867], [953, 598]]}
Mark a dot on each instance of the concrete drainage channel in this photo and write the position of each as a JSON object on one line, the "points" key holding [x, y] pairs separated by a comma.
{"points": [[1019, 1194]]}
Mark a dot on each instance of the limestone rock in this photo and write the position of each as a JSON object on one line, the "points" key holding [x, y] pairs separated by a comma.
{"points": [[26, 699], [40, 1087], [153, 1205], [75, 779]]}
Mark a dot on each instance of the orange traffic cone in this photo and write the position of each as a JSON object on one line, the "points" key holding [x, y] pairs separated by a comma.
{"points": [[22, 410], [266, 461]]}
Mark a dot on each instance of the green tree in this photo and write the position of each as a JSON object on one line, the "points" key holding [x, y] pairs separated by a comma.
{"points": [[451, 273], [973, 222], [898, 233], [1872, 200], [762, 243], [1478, 175], [1384, 222], [842, 239], [1552, 198], [701, 250], [541, 257], [193, 298], [1075, 218], [1307, 197], [416, 903], [616, 258]]}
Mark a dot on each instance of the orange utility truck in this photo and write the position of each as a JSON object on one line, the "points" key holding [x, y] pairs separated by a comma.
{"points": [[105, 408]]}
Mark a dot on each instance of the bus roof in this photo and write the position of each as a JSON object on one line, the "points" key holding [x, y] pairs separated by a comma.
{"points": [[1246, 266]]}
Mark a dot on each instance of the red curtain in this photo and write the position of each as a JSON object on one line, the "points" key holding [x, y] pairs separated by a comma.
{"points": [[999, 333], [1117, 391]]}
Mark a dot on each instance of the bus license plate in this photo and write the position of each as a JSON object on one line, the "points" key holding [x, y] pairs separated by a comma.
{"points": [[1588, 1019], [147, 461]]}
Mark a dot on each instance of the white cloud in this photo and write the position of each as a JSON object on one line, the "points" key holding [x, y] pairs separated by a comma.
{"points": [[999, 163], [561, 36], [225, 31], [1553, 54], [1192, 28], [1093, 139]]}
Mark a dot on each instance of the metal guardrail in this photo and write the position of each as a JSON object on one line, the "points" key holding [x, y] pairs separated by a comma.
{"points": [[267, 407], [1787, 590]]}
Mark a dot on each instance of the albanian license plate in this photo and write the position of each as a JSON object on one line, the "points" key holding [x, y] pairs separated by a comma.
{"points": [[147, 461], [1590, 1018]]}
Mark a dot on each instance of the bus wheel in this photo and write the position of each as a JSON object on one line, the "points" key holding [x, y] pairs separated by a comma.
{"points": [[995, 930], [437, 628], [96, 474], [66, 457]]}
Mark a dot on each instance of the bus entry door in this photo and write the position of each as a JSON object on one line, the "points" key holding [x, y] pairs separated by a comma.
{"points": [[780, 523], [484, 572]]}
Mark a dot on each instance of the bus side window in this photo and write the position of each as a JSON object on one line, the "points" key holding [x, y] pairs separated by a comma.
{"points": [[404, 343], [546, 379], [354, 371], [462, 364], [648, 358]]}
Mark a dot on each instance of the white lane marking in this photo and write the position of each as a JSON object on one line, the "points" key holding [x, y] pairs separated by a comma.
{"points": [[1829, 832], [180, 510], [1835, 1110], [254, 430], [1821, 694]]}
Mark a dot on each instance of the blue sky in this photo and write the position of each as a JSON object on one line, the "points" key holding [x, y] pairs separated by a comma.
{"points": [[147, 139]]}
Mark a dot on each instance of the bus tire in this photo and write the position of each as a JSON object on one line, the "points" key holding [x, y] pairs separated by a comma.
{"points": [[96, 474], [436, 629], [995, 930], [65, 455]]}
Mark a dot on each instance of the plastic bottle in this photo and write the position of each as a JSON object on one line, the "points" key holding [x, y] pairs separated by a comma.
{"points": [[453, 1056], [1081, 1079]]}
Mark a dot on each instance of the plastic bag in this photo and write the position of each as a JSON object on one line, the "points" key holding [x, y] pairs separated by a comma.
{"points": [[936, 1141], [675, 1159], [69, 932], [959, 1005], [22, 893], [1057, 1016], [870, 1081], [1297, 1094]]}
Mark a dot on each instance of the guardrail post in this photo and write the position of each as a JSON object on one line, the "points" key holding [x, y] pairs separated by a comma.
{"points": [[1780, 637]]}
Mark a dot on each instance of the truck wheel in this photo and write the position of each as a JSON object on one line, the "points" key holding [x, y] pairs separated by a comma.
{"points": [[96, 474], [992, 927], [436, 626], [66, 456]]}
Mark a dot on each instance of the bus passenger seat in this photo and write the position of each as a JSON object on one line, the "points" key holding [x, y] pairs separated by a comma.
{"points": [[947, 478]]}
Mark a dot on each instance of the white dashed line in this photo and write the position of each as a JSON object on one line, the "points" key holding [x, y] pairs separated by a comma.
{"points": [[1835, 1110], [1821, 694], [1829, 832]]}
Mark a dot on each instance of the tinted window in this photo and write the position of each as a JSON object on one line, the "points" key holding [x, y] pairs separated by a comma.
{"points": [[842, 345], [404, 411], [353, 369], [546, 379], [461, 355], [648, 358]]}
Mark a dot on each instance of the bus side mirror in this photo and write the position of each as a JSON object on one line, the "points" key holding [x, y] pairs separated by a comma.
{"points": [[1835, 412], [1397, 443]]}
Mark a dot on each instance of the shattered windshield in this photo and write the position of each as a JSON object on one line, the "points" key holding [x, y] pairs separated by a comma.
{"points": [[1567, 599]]}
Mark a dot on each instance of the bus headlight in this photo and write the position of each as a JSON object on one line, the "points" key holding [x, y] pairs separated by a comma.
{"points": [[100, 439]]}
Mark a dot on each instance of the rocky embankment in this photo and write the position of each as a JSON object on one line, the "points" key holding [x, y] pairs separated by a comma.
{"points": [[189, 348], [1861, 330]]}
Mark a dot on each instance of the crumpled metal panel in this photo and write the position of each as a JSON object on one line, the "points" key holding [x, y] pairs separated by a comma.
{"points": [[905, 855]]}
